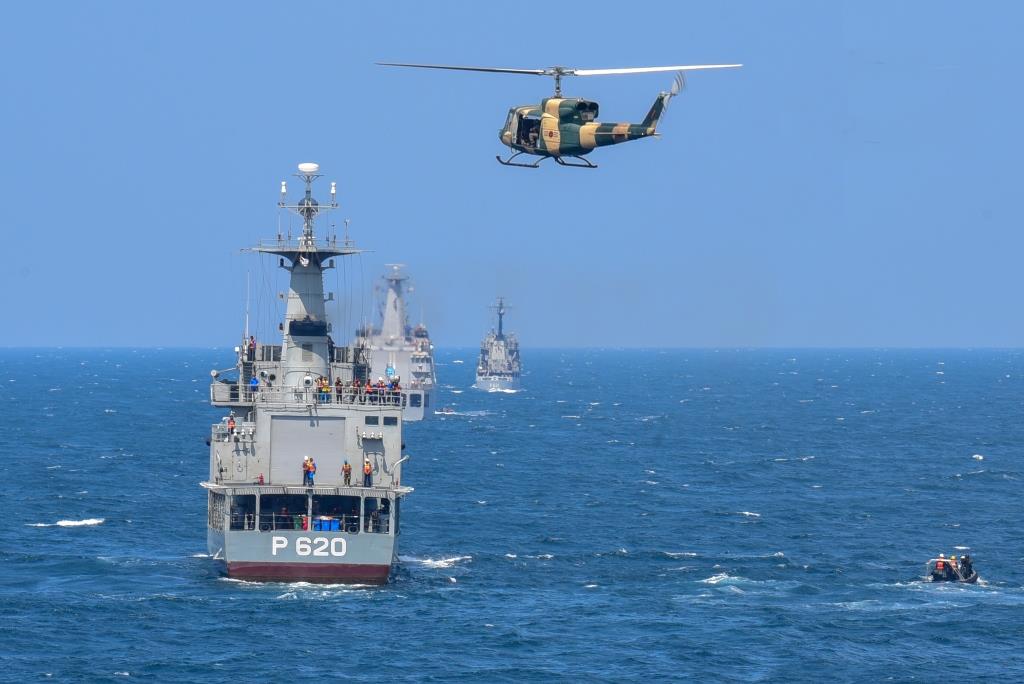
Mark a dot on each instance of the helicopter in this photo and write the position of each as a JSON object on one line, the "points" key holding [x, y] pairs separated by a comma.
{"points": [[566, 128]]}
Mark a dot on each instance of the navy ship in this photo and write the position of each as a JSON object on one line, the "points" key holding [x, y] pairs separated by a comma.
{"points": [[282, 505], [400, 352], [498, 368]]}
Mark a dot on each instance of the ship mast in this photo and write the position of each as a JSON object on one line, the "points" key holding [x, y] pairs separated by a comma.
{"points": [[500, 308], [395, 321], [305, 348]]}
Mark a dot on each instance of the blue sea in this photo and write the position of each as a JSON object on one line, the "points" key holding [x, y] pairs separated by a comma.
{"points": [[730, 515]]}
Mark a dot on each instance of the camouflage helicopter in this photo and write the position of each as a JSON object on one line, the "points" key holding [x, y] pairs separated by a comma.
{"points": [[564, 128]]}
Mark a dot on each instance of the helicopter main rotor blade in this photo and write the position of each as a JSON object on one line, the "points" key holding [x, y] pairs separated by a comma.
{"points": [[646, 70], [535, 72]]}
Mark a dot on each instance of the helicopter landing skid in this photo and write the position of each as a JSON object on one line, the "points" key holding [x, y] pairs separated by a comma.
{"points": [[587, 164], [509, 162]]}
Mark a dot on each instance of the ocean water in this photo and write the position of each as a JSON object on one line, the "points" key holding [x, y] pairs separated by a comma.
{"points": [[733, 515]]}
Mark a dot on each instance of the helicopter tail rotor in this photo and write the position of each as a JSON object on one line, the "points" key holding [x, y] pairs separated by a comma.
{"points": [[661, 103]]}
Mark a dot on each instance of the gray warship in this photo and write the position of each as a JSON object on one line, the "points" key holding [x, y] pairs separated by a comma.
{"points": [[273, 516], [499, 367], [398, 351]]}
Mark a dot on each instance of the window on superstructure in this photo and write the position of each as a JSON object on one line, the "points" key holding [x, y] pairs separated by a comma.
{"points": [[376, 515], [284, 512], [372, 420], [391, 420], [415, 400], [336, 513], [243, 512]]}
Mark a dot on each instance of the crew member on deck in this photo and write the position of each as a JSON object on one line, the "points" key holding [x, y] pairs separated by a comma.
{"points": [[308, 468], [966, 567], [231, 427], [346, 474], [252, 347], [940, 568], [367, 473], [254, 385]]}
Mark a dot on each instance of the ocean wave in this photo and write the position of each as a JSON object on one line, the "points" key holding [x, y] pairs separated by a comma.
{"points": [[720, 578], [87, 522], [503, 391], [435, 562], [748, 514], [680, 554]]}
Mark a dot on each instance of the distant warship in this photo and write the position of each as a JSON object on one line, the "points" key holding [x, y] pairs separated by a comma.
{"points": [[397, 351], [281, 506], [498, 368]]}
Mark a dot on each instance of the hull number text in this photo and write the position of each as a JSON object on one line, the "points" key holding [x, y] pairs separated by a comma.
{"points": [[306, 546]]}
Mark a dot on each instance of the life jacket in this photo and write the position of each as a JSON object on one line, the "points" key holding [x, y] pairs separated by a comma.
{"points": [[347, 469], [231, 423], [312, 466], [940, 566], [367, 469]]}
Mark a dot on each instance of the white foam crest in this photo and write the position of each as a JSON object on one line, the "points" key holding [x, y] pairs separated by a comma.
{"points": [[511, 555], [680, 554], [80, 523], [719, 578], [70, 523], [749, 514], [435, 562], [503, 391]]}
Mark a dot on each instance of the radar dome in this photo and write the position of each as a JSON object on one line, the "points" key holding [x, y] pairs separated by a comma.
{"points": [[309, 168]]}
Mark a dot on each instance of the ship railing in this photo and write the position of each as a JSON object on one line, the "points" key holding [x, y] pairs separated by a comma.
{"points": [[222, 433], [244, 394], [373, 524], [313, 395]]}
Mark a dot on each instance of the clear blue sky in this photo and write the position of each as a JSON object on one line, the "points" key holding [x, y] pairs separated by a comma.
{"points": [[854, 184]]}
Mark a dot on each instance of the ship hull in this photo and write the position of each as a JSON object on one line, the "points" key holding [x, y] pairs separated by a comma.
{"points": [[417, 404], [332, 573], [492, 383], [303, 556]]}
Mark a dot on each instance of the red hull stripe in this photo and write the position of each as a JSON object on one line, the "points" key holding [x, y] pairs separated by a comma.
{"points": [[310, 572]]}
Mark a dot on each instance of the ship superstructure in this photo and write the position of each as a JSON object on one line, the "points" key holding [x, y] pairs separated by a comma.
{"points": [[498, 368], [398, 352], [269, 516]]}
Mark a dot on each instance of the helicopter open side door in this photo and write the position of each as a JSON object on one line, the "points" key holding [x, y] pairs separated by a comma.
{"points": [[521, 129]]}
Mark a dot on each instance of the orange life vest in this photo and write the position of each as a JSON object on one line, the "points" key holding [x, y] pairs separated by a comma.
{"points": [[367, 469], [231, 423]]}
